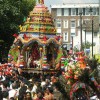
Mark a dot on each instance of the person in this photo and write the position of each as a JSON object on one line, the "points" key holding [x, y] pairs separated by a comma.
{"points": [[28, 96], [12, 98], [5, 95], [35, 86], [5, 85], [33, 64], [1, 94], [40, 95], [48, 94], [57, 94], [22, 92], [13, 91], [71, 51], [29, 61], [43, 83]]}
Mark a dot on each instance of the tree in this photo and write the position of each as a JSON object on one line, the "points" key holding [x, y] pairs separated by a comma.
{"points": [[86, 45], [12, 13]]}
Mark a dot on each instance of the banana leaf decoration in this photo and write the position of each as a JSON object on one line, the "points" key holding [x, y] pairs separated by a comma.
{"points": [[14, 52], [66, 62]]}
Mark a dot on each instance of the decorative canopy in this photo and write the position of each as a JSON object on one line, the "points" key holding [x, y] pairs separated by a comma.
{"points": [[39, 21]]}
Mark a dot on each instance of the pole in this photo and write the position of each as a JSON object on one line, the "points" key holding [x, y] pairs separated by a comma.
{"points": [[92, 37], [85, 37], [99, 27], [91, 10], [72, 44], [81, 31]]}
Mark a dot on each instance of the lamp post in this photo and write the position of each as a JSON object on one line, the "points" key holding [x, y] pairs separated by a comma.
{"points": [[99, 26], [92, 29], [85, 37], [72, 44], [92, 37], [80, 31]]}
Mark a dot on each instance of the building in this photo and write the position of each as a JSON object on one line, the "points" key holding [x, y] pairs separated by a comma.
{"points": [[69, 20]]}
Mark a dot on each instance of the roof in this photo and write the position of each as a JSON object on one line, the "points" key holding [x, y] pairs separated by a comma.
{"points": [[77, 5]]}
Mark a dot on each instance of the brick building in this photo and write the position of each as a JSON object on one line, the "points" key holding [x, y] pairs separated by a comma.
{"points": [[67, 19]]}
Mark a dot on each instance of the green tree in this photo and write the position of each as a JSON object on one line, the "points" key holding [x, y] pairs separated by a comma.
{"points": [[12, 13], [87, 45]]}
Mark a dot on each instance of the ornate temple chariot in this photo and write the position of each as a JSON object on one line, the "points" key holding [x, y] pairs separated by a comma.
{"points": [[37, 45]]}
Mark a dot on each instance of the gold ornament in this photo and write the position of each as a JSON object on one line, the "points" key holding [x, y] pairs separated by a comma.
{"points": [[18, 47], [28, 48], [40, 48]]}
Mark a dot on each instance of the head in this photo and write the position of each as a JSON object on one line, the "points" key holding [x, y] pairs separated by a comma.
{"points": [[14, 85], [22, 84], [12, 98], [40, 94], [5, 94], [47, 90], [28, 96]]}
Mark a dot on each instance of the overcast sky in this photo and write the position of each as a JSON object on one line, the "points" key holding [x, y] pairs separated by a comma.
{"points": [[53, 2]]}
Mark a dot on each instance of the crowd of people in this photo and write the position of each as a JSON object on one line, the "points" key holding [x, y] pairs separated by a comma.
{"points": [[18, 85]]}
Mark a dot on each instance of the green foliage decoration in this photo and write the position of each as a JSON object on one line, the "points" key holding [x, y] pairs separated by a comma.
{"points": [[14, 52]]}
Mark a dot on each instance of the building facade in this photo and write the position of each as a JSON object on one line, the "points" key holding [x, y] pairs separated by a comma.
{"points": [[68, 19]]}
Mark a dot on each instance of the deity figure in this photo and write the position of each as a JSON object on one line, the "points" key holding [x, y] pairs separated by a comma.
{"points": [[41, 1]]}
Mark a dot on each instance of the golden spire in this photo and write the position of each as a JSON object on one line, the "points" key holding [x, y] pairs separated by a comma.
{"points": [[41, 1]]}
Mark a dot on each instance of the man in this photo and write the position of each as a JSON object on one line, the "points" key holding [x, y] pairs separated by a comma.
{"points": [[13, 91]]}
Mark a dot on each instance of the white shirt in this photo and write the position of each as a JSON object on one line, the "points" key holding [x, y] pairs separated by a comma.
{"points": [[43, 83], [5, 99], [34, 88], [12, 93]]}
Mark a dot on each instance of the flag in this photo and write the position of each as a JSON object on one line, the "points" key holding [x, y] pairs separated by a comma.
{"points": [[25, 36], [15, 35], [24, 19]]}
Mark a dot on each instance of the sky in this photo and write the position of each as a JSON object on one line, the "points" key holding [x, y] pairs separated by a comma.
{"points": [[54, 2]]}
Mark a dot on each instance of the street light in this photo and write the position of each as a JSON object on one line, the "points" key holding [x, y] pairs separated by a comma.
{"points": [[80, 30], [72, 43], [92, 29], [99, 26], [92, 37]]}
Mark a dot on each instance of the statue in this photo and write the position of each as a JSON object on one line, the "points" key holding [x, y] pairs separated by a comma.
{"points": [[41, 1]]}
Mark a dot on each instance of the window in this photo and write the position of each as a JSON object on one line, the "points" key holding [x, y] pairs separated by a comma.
{"points": [[73, 24], [87, 11], [59, 13], [58, 23], [80, 10], [65, 36], [73, 11], [78, 22], [72, 34], [65, 23], [66, 11], [97, 11], [94, 11]]}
